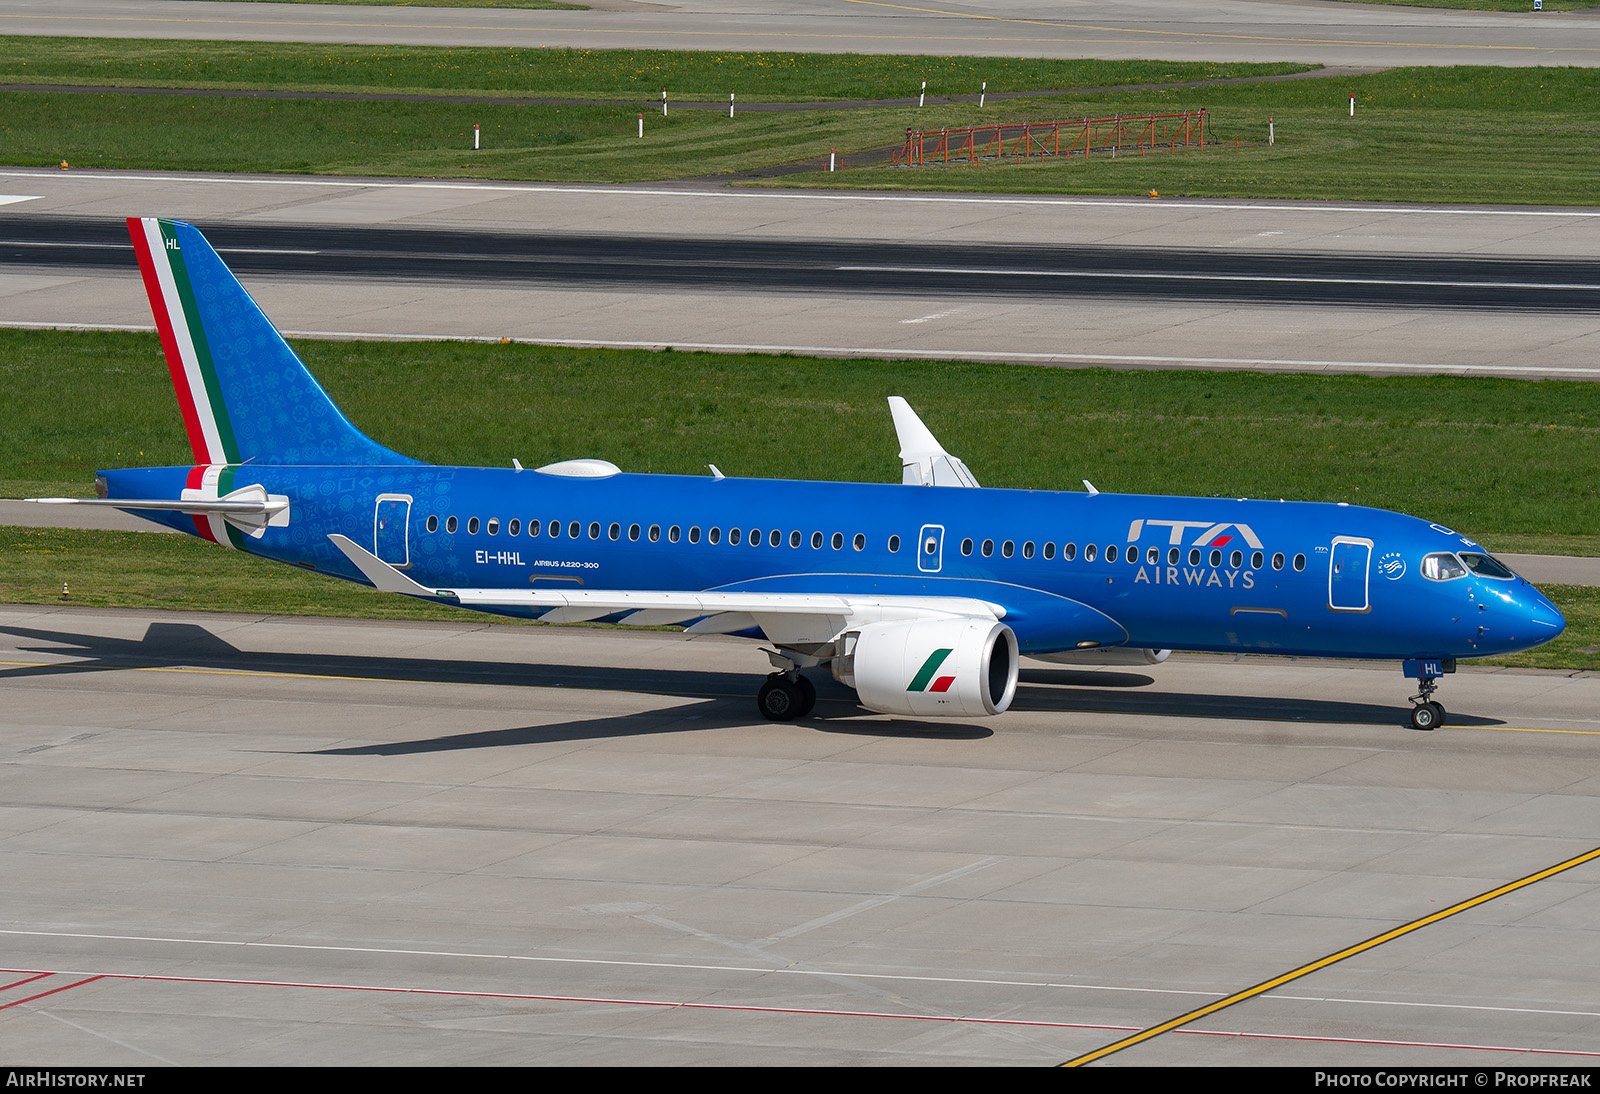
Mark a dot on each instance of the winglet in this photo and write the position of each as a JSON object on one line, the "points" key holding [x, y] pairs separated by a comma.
{"points": [[923, 460], [382, 575]]}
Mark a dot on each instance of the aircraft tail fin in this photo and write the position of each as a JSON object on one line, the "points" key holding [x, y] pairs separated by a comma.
{"points": [[244, 393]]}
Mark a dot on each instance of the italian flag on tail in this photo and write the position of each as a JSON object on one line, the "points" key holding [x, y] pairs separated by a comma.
{"points": [[183, 337]]}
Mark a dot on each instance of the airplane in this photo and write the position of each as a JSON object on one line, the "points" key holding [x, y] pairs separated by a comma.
{"points": [[921, 595]]}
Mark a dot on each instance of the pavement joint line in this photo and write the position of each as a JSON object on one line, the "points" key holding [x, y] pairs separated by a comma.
{"points": [[1324, 962]]}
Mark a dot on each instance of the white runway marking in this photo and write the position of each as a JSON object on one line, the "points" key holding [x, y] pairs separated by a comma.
{"points": [[983, 271]]}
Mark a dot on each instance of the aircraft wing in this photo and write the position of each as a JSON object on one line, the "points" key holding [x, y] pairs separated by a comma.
{"points": [[785, 617]]}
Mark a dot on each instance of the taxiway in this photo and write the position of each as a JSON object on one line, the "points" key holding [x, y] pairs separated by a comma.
{"points": [[240, 840]]}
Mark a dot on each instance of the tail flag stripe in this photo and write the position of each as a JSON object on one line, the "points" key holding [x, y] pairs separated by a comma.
{"points": [[159, 294], [182, 338], [228, 449]]}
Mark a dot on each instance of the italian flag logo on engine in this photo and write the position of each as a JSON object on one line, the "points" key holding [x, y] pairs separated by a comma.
{"points": [[925, 674]]}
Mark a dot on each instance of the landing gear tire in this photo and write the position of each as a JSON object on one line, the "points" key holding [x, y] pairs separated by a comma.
{"points": [[783, 698], [808, 695], [1427, 716]]}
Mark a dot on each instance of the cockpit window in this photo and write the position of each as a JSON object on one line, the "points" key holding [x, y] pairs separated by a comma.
{"points": [[1442, 567], [1486, 566]]}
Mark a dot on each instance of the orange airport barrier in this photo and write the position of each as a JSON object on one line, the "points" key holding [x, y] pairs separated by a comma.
{"points": [[1024, 139]]}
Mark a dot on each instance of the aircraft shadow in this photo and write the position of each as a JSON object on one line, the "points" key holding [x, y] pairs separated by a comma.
{"points": [[726, 696]]}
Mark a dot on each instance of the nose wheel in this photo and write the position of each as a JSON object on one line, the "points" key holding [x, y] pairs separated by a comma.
{"points": [[1429, 715], [1425, 713]]}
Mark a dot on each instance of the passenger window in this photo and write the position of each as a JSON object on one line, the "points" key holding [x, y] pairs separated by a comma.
{"points": [[450, 525], [754, 539], [514, 527], [1277, 560], [733, 537], [672, 534], [859, 542], [713, 535], [1236, 559], [1153, 556], [1070, 552], [1006, 548], [1027, 549], [1299, 562], [1049, 551], [655, 533], [1173, 555], [894, 545], [574, 530], [816, 541], [1194, 556], [988, 548], [614, 532], [594, 529], [633, 532], [694, 533], [775, 538], [838, 540], [794, 540], [966, 547], [1255, 561], [472, 526], [555, 529], [494, 526], [1111, 553], [433, 524]]}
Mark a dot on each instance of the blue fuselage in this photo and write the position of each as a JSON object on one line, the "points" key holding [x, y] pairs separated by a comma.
{"points": [[1070, 570]]}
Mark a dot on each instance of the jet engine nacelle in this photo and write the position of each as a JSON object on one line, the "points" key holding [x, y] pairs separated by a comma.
{"points": [[940, 668]]}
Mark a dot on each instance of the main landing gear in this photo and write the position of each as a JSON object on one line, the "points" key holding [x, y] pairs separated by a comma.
{"points": [[786, 696], [1425, 713]]}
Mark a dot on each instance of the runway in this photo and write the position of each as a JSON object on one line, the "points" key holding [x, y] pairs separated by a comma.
{"points": [[252, 840], [1383, 289], [605, 261], [1244, 30]]}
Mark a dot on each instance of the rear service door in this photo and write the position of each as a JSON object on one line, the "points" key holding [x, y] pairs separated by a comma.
{"points": [[390, 524]]}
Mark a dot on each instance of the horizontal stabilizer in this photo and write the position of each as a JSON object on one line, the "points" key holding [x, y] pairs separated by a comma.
{"points": [[250, 508]]}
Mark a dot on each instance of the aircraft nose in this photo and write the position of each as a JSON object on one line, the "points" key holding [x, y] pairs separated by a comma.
{"points": [[1544, 617]]}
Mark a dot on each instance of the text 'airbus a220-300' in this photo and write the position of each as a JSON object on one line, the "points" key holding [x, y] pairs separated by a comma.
{"points": [[922, 595]]}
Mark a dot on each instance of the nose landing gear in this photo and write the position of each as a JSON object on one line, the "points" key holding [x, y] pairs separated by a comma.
{"points": [[1425, 713]]}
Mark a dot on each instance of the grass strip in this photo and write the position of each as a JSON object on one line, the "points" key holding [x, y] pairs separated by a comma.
{"points": [[623, 74], [1461, 134], [1494, 458], [1453, 135]]}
